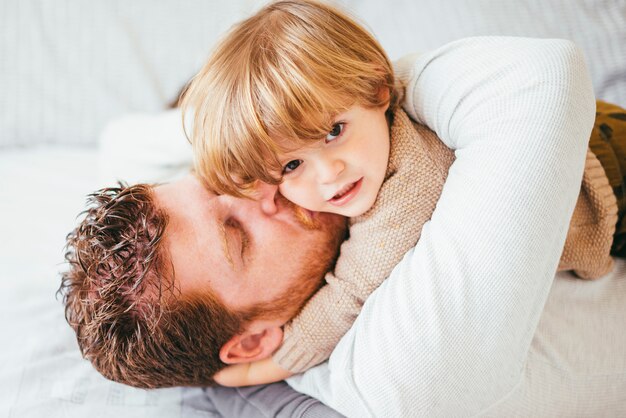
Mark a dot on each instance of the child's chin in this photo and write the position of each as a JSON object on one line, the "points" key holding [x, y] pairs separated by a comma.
{"points": [[352, 212]]}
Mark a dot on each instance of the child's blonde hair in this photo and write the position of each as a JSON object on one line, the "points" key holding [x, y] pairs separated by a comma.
{"points": [[281, 75]]}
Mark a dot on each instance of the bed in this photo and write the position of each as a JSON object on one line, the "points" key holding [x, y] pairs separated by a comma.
{"points": [[85, 91]]}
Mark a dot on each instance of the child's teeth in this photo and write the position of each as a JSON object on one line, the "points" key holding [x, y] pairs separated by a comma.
{"points": [[342, 191]]}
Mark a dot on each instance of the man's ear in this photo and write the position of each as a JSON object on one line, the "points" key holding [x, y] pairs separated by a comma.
{"points": [[252, 345]]}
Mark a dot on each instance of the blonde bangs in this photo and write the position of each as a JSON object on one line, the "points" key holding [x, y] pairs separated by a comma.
{"points": [[230, 143], [276, 82]]}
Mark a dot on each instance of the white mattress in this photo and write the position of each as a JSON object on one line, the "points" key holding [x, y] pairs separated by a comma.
{"points": [[41, 371]]}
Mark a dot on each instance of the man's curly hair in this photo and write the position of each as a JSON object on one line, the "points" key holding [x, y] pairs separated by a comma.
{"points": [[120, 297]]}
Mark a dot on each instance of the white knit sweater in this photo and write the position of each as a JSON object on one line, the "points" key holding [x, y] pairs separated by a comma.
{"points": [[449, 333]]}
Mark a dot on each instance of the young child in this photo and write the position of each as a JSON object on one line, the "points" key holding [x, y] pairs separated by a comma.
{"points": [[305, 98]]}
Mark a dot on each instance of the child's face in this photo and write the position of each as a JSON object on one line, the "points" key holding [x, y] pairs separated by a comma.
{"points": [[342, 173]]}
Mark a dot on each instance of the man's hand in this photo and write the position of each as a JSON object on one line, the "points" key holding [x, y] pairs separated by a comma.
{"points": [[247, 374]]}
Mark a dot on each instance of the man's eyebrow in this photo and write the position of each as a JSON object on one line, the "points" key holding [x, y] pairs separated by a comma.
{"points": [[224, 240]]}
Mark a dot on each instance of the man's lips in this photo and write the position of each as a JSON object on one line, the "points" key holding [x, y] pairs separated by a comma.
{"points": [[346, 193]]}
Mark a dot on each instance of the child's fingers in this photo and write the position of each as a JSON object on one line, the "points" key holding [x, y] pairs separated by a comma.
{"points": [[232, 376], [256, 373]]}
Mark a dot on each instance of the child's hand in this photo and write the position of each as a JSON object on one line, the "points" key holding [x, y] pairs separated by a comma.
{"points": [[247, 374]]}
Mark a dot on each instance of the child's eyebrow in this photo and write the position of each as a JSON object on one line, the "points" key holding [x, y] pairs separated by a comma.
{"points": [[339, 116], [285, 155]]}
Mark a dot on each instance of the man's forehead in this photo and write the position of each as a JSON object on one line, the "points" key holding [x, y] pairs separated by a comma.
{"points": [[185, 206], [185, 190]]}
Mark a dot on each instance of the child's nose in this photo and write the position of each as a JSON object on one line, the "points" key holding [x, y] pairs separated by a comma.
{"points": [[330, 169], [266, 195]]}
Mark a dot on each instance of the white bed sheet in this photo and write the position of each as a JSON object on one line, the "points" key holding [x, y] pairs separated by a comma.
{"points": [[42, 373]]}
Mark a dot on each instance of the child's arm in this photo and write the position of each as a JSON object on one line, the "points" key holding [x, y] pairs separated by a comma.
{"points": [[378, 241], [247, 374]]}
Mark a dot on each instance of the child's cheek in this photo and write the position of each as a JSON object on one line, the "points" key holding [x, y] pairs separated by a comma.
{"points": [[299, 194], [289, 191]]}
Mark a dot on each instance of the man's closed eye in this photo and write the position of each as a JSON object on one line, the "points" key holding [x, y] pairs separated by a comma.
{"points": [[237, 240]]}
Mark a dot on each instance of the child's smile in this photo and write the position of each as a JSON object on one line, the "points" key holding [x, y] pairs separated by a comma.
{"points": [[346, 193]]}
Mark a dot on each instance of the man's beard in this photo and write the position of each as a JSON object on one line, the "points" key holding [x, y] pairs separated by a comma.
{"points": [[318, 261], [303, 216]]}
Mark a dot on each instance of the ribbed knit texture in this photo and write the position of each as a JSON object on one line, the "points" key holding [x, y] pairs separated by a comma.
{"points": [[417, 169], [587, 248], [450, 331]]}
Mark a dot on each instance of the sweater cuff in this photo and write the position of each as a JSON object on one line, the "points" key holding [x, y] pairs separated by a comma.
{"points": [[294, 356]]}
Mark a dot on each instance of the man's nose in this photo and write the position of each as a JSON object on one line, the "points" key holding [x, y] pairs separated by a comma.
{"points": [[266, 195], [328, 169]]}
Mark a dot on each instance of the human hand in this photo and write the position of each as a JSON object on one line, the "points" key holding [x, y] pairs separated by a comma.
{"points": [[255, 373]]}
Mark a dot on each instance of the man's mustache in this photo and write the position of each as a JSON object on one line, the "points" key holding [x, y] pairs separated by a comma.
{"points": [[302, 215]]}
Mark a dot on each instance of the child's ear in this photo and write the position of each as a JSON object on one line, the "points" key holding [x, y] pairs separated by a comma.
{"points": [[251, 345], [385, 95]]}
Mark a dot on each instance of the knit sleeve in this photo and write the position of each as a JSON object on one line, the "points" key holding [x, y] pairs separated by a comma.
{"points": [[448, 333], [418, 163], [312, 335]]}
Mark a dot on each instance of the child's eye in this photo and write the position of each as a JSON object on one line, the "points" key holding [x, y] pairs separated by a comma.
{"points": [[291, 165], [335, 132]]}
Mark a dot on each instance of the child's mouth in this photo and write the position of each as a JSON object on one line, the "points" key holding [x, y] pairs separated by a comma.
{"points": [[346, 193]]}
